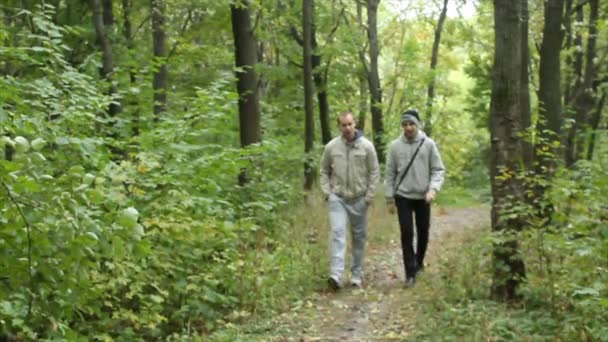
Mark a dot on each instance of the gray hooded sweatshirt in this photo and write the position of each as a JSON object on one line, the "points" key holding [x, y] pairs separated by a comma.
{"points": [[350, 169], [426, 172]]}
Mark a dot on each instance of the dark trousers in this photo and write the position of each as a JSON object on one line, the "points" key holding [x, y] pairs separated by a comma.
{"points": [[406, 209]]}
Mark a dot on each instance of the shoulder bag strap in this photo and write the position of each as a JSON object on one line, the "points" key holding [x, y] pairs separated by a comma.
{"points": [[407, 168]]}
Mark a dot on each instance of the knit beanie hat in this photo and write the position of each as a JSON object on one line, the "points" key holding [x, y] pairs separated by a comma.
{"points": [[411, 115]]}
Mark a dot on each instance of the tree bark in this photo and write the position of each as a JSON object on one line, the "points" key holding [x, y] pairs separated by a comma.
{"points": [[107, 61], [585, 102], [245, 53], [574, 76], [127, 32], [108, 13], [362, 76], [549, 93], [320, 81], [526, 113], [428, 127], [159, 42], [595, 123], [374, 79], [509, 269], [307, 7]]}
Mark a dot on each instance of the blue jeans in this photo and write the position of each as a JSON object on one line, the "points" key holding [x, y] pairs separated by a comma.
{"points": [[341, 213]]}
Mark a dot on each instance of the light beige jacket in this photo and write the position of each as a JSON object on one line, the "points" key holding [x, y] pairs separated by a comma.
{"points": [[350, 170]]}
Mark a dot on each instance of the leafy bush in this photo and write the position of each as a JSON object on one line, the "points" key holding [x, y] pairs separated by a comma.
{"points": [[564, 296], [140, 239]]}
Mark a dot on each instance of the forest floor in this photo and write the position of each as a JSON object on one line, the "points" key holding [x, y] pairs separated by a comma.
{"points": [[383, 309]]}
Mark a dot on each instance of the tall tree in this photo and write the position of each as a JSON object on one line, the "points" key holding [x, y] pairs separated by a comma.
{"points": [[320, 79], [574, 74], [584, 96], [549, 92], [524, 92], [245, 53], [159, 42], [362, 75], [108, 12], [428, 128], [127, 31], [374, 79], [307, 8], [595, 123], [107, 60], [320, 73], [509, 269]]}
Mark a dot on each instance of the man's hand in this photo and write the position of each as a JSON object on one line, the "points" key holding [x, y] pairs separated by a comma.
{"points": [[391, 208], [430, 195]]}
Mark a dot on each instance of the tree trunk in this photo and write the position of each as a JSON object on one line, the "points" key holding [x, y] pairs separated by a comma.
{"points": [[159, 42], [108, 13], [574, 71], [595, 124], [509, 269], [107, 61], [524, 99], [308, 91], [585, 98], [549, 93], [320, 80], [374, 79], [362, 76], [245, 53], [127, 6], [428, 127]]}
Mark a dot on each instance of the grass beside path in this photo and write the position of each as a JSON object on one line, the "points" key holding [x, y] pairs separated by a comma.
{"points": [[383, 309]]}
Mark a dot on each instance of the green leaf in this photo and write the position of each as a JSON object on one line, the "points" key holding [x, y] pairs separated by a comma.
{"points": [[38, 144], [21, 144]]}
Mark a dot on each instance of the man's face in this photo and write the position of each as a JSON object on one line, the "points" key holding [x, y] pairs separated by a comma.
{"points": [[347, 127], [409, 129]]}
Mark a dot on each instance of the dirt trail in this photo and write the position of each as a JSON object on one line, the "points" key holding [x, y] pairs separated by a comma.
{"points": [[383, 309]]}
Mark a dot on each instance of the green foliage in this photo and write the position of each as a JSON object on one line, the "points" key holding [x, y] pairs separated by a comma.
{"points": [[161, 242], [564, 295]]}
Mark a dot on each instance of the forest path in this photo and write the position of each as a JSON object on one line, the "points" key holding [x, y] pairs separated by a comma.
{"points": [[383, 309]]}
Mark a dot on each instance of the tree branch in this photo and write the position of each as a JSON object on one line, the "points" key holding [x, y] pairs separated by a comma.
{"points": [[29, 249], [181, 33]]}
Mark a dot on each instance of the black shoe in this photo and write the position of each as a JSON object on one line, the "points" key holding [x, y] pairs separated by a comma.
{"points": [[410, 282], [333, 284]]}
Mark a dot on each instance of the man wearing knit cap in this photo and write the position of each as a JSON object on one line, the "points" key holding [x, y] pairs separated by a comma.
{"points": [[414, 175]]}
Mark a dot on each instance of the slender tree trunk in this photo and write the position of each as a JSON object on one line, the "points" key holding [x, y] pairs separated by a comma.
{"points": [[245, 52], [572, 37], [322, 98], [108, 13], [575, 76], [526, 114], [509, 269], [320, 81], [127, 7], [362, 76], [549, 93], [107, 61], [374, 79], [585, 99], [159, 42], [308, 90], [595, 124], [428, 127]]}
